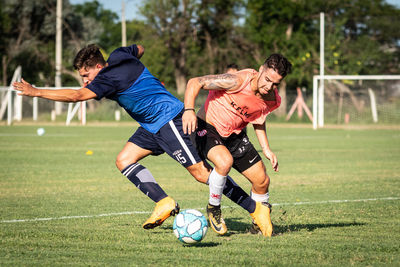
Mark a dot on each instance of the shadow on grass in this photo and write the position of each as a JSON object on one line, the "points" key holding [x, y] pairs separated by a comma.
{"points": [[203, 244], [281, 229], [235, 226]]}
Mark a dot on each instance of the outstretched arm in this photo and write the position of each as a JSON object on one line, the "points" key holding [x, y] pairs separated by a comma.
{"points": [[63, 95], [263, 140], [209, 82]]}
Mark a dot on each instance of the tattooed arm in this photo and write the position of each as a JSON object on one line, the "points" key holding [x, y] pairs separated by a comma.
{"points": [[210, 82], [225, 82]]}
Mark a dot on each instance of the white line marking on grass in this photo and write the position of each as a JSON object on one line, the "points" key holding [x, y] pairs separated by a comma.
{"points": [[148, 212], [76, 217]]}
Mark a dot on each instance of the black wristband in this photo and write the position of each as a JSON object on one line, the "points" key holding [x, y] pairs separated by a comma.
{"points": [[187, 109]]}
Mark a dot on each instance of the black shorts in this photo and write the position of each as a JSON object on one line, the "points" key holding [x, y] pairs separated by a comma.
{"points": [[242, 150], [170, 139]]}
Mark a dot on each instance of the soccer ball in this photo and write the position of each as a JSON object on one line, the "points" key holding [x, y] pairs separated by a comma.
{"points": [[40, 131], [190, 226]]}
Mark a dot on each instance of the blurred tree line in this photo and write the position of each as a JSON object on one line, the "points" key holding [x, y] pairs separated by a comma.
{"points": [[186, 38]]}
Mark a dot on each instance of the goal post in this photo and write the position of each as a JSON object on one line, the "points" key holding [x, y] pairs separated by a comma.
{"points": [[7, 99], [353, 87]]}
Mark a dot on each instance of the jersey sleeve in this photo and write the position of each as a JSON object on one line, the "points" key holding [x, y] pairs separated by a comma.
{"points": [[101, 86], [246, 75], [132, 49]]}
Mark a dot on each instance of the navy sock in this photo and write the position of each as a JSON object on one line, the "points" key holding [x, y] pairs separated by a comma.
{"points": [[235, 193], [144, 180]]}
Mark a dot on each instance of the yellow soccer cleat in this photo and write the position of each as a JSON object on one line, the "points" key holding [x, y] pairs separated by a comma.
{"points": [[216, 221], [261, 217], [164, 208]]}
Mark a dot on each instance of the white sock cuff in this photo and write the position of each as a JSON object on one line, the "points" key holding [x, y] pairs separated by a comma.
{"points": [[217, 179], [216, 186], [260, 197]]}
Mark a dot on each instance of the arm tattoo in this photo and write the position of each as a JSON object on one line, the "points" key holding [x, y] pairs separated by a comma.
{"points": [[218, 82]]}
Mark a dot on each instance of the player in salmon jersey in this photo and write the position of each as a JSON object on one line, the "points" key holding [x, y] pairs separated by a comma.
{"points": [[235, 100]]}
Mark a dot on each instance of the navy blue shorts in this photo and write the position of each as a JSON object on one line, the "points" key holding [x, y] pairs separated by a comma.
{"points": [[169, 139]]}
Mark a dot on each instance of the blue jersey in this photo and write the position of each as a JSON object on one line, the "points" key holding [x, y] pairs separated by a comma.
{"points": [[126, 80]]}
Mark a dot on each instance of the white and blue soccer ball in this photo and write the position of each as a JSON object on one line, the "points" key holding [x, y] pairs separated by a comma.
{"points": [[190, 226]]}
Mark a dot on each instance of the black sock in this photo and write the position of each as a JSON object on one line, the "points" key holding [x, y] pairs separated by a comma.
{"points": [[144, 180], [235, 193]]}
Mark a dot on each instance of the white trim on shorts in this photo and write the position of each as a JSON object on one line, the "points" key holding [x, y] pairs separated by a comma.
{"points": [[183, 144]]}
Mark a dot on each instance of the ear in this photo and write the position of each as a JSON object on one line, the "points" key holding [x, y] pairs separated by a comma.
{"points": [[99, 66]]}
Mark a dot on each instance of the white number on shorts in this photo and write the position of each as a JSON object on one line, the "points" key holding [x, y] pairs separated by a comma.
{"points": [[180, 158]]}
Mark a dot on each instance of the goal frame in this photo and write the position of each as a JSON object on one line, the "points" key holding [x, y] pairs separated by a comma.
{"points": [[319, 90]]}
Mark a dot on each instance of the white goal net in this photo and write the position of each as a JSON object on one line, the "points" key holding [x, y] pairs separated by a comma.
{"points": [[356, 99]]}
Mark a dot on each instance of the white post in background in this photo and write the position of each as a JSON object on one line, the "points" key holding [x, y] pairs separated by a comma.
{"points": [[321, 71], [7, 101], [35, 106], [123, 24], [18, 107], [83, 112], [58, 105], [9, 107], [17, 103], [373, 105], [80, 109], [69, 113], [315, 103], [117, 115]]}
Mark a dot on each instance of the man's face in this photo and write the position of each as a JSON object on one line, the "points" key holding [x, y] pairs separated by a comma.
{"points": [[89, 73], [268, 80]]}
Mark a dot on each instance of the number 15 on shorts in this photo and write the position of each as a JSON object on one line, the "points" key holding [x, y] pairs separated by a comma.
{"points": [[178, 155]]}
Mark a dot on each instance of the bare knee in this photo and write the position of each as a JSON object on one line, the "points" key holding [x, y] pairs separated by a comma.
{"points": [[221, 158], [265, 182], [130, 154], [224, 164], [123, 160], [261, 184]]}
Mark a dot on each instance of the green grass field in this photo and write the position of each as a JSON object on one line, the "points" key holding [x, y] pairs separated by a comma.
{"points": [[336, 202]]}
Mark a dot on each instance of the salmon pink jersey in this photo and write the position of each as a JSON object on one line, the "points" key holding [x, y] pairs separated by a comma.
{"points": [[230, 111]]}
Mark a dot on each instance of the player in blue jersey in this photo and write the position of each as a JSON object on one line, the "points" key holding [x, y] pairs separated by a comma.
{"points": [[124, 79]]}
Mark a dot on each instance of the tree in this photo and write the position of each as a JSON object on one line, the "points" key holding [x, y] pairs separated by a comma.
{"points": [[156, 57], [22, 25], [173, 23], [97, 25], [285, 27], [361, 36], [217, 23]]}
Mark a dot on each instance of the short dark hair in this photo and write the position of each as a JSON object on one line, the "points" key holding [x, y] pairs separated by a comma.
{"points": [[278, 63], [89, 56]]}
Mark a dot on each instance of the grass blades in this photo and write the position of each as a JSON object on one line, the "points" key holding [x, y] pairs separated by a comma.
{"points": [[336, 201]]}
